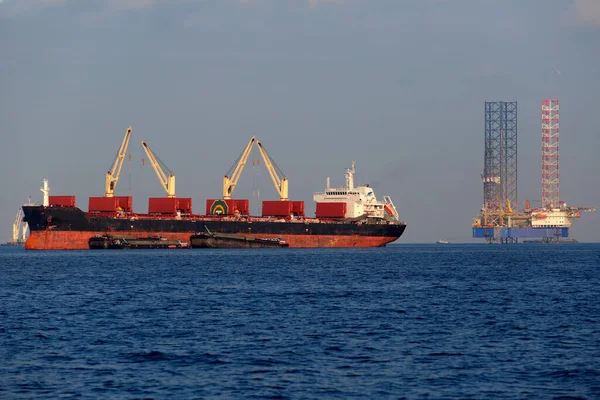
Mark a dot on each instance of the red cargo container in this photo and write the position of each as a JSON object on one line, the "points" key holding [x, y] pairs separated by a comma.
{"points": [[227, 207], [62, 201], [298, 208], [242, 206], [331, 210], [185, 205], [169, 205], [103, 204], [125, 203], [162, 205], [274, 208]]}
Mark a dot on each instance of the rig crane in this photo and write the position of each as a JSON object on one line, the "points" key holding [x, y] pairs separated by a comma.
{"points": [[230, 180], [164, 174], [279, 179], [112, 176]]}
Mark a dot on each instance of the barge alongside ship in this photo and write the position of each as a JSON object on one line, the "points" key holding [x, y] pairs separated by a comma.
{"points": [[209, 240], [108, 242]]}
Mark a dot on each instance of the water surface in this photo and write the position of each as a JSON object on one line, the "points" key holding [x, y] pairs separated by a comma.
{"points": [[438, 321]]}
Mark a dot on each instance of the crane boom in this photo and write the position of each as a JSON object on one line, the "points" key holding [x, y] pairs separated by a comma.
{"points": [[277, 176], [230, 180], [112, 176], [166, 179]]}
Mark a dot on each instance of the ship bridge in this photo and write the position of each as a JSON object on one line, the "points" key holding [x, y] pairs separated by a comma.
{"points": [[360, 201]]}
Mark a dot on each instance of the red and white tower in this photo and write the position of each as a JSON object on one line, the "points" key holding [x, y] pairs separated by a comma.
{"points": [[550, 150]]}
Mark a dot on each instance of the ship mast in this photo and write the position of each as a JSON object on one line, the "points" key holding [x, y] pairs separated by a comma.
{"points": [[350, 177], [45, 189]]}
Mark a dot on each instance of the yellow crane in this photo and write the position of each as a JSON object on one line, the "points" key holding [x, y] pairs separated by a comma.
{"points": [[277, 176], [508, 209], [112, 176], [165, 175], [230, 180]]}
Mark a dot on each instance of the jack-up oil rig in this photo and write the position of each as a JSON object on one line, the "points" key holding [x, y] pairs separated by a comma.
{"points": [[501, 220]]}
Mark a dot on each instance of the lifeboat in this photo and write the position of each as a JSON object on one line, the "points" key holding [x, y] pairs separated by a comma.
{"points": [[388, 208], [540, 216]]}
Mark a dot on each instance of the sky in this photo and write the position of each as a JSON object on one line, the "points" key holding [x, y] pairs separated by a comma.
{"points": [[398, 86]]}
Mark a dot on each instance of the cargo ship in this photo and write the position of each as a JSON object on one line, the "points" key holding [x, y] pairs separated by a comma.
{"points": [[345, 217]]}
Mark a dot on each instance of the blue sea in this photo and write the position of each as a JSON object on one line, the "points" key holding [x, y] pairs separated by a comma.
{"points": [[405, 321]]}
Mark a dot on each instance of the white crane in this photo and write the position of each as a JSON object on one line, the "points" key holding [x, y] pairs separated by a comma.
{"points": [[277, 176], [230, 180], [112, 176]]}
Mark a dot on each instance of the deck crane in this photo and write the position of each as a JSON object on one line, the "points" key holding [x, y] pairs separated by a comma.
{"points": [[112, 176], [165, 175], [279, 179], [230, 180]]}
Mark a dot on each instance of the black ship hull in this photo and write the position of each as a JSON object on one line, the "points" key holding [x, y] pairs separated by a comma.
{"points": [[70, 228]]}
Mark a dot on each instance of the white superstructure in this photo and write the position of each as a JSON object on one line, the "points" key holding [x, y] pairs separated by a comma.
{"points": [[551, 218], [360, 201], [561, 217]]}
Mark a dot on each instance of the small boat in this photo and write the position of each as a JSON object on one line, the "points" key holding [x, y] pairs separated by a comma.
{"points": [[442, 241]]}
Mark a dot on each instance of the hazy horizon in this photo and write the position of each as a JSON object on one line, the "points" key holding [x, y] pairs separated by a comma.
{"points": [[397, 86]]}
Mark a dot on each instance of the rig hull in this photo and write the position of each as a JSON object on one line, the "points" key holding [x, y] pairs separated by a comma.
{"points": [[69, 228]]}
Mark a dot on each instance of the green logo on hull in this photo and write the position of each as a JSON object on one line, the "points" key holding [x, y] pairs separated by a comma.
{"points": [[219, 207]]}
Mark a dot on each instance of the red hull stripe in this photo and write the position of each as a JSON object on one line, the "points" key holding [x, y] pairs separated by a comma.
{"points": [[69, 240]]}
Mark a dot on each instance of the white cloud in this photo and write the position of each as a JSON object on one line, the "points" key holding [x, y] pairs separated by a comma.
{"points": [[588, 11], [311, 3], [16, 7], [314, 3], [134, 3]]}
